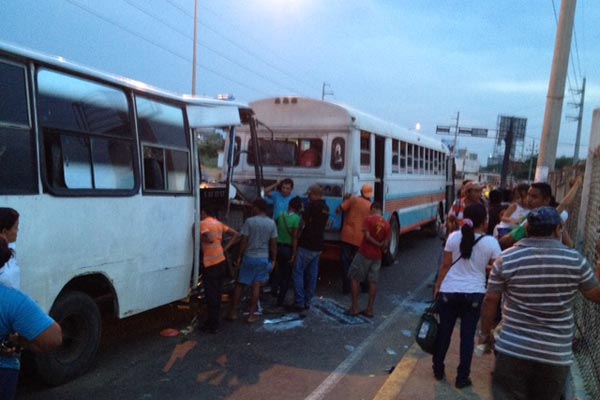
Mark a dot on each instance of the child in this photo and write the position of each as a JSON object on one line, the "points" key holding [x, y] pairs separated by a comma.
{"points": [[515, 213]]}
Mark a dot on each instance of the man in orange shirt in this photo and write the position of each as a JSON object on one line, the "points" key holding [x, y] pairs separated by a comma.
{"points": [[356, 209], [215, 264]]}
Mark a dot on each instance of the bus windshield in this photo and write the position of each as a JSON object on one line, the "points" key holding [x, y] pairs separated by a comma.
{"points": [[289, 152]]}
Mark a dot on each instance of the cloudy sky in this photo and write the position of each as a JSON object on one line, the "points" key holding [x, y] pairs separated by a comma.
{"points": [[410, 62]]}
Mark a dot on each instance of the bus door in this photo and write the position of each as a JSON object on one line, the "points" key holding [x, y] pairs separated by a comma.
{"points": [[379, 168]]}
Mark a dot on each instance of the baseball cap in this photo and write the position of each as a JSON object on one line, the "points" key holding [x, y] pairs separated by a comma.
{"points": [[472, 186], [315, 189], [544, 216], [367, 190]]}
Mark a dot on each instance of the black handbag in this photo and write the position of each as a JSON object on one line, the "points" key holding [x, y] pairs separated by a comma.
{"points": [[427, 329]]}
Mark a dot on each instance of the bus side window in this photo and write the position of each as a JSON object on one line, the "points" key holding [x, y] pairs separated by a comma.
{"points": [[166, 146], [403, 157], [338, 149], [395, 156], [87, 135], [365, 151], [17, 153], [409, 159], [153, 169], [310, 153]]}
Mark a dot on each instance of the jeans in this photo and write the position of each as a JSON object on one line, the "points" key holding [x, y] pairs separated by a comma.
{"points": [[8, 383], [348, 251], [467, 307], [284, 271], [306, 271], [520, 379], [213, 285]]}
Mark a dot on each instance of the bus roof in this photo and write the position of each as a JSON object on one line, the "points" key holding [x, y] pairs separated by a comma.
{"points": [[18, 53], [292, 112]]}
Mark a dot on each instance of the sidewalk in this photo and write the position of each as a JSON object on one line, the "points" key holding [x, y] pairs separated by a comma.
{"points": [[413, 377]]}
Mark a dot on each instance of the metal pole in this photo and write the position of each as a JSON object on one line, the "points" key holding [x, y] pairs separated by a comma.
{"points": [[508, 143], [531, 161], [453, 157], [556, 90], [579, 119], [195, 51]]}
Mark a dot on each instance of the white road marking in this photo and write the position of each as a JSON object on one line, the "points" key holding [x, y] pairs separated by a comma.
{"points": [[332, 380]]}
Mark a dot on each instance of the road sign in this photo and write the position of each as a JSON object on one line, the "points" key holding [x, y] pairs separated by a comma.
{"points": [[479, 132], [442, 130]]}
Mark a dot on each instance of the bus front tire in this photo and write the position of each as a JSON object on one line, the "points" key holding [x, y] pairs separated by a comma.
{"points": [[81, 323]]}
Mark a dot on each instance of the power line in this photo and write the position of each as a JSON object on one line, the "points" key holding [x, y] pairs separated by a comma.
{"points": [[252, 54], [131, 32], [220, 54]]}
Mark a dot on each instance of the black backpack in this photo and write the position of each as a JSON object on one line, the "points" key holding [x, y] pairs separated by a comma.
{"points": [[427, 329]]}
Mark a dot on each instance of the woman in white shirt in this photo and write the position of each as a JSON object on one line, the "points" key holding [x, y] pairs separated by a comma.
{"points": [[460, 289], [10, 274]]}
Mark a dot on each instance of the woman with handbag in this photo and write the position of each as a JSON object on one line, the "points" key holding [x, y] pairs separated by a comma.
{"points": [[460, 289]]}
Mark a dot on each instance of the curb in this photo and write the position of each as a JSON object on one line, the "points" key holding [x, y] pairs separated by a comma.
{"points": [[395, 382]]}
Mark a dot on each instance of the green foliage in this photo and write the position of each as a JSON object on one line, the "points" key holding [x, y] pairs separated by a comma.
{"points": [[209, 147]]}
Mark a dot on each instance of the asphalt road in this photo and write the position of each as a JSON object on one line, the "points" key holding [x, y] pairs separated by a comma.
{"points": [[322, 355]]}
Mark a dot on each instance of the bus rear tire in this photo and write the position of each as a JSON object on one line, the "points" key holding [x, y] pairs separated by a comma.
{"points": [[81, 323], [390, 256]]}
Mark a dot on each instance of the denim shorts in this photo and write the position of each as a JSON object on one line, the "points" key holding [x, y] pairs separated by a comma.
{"points": [[255, 270]]}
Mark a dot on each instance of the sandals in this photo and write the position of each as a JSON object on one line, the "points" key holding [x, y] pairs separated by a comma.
{"points": [[252, 319]]}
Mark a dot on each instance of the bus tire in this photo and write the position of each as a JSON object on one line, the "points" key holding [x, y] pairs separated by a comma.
{"points": [[81, 323], [390, 256]]}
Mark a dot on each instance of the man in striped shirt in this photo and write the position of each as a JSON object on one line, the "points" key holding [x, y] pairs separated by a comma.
{"points": [[538, 278]]}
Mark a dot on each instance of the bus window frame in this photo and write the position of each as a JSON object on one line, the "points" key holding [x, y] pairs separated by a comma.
{"points": [[396, 155], [141, 143], [334, 140], [47, 186], [28, 129], [365, 168]]}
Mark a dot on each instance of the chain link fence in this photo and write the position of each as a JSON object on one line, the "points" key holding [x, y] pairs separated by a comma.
{"points": [[583, 225]]}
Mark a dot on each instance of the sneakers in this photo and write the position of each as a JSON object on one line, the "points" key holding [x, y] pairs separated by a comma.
{"points": [[463, 383]]}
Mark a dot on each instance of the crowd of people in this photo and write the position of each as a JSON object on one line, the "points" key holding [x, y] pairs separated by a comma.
{"points": [[507, 267], [284, 251], [511, 270]]}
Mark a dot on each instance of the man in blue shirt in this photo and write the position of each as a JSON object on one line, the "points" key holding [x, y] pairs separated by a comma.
{"points": [[23, 324], [279, 198]]}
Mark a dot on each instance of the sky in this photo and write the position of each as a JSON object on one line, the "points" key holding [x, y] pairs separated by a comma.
{"points": [[404, 61]]}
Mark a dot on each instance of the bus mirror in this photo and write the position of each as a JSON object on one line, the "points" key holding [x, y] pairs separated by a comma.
{"points": [[220, 159], [232, 192]]}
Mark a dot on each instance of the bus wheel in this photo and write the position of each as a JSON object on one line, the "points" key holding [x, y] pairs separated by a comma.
{"points": [[79, 317], [390, 256]]}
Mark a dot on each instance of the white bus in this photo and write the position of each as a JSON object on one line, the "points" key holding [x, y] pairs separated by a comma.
{"points": [[104, 173], [314, 141]]}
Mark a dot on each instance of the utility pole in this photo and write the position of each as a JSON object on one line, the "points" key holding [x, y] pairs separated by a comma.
{"points": [[556, 90], [326, 92], [531, 160], [508, 141], [579, 118], [195, 51]]}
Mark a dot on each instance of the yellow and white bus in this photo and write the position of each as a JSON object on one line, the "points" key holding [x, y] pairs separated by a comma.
{"points": [[340, 148], [104, 173]]}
